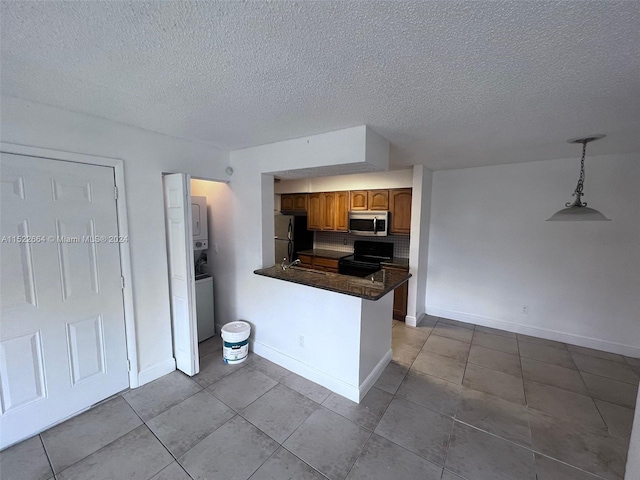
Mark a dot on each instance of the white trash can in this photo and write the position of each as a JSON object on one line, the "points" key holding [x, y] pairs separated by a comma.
{"points": [[235, 342]]}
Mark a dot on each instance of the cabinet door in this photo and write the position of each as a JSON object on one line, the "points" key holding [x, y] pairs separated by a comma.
{"points": [[378, 200], [300, 202], [342, 211], [328, 207], [286, 203], [305, 261], [325, 264], [400, 208], [358, 200], [314, 219], [400, 295]]}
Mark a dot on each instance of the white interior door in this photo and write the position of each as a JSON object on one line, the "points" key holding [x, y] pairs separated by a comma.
{"points": [[62, 330], [177, 197]]}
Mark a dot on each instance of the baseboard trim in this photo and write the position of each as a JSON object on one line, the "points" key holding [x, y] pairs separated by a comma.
{"points": [[156, 371], [573, 339], [412, 321], [296, 366], [372, 378]]}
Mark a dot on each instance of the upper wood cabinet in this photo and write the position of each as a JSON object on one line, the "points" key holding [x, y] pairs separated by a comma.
{"points": [[314, 212], [300, 202], [286, 203], [359, 199], [378, 200], [369, 200], [328, 211], [342, 211], [293, 202], [400, 208], [328, 202]]}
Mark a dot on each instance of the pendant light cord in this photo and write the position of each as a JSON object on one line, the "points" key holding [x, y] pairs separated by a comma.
{"points": [[578, 192]]}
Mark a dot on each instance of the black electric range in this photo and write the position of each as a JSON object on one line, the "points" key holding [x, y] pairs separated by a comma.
{"points": [[366, 258]]}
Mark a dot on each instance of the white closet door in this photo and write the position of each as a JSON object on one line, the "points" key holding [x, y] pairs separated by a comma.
{"points": [[177, 197], [62, 330]]}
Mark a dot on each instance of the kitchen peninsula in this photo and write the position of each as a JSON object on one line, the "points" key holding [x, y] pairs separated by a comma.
{"points": [[351, 347], [372, 287]]}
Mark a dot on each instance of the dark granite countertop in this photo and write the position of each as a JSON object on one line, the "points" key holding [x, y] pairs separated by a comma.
{"points": [[397, 262], [337, 255], [319, 252], [372, 287]]}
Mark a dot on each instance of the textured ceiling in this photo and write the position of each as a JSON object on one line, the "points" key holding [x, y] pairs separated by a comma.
{"points": [[449, 84]]}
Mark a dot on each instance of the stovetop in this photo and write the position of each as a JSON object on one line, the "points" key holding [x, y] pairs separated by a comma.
{"points": [[368, 259], [370, 252]]}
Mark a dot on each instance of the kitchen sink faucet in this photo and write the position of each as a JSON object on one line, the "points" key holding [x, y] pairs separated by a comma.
{"points": [[284, 263]]}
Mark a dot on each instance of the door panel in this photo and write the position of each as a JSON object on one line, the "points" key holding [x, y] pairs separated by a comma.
{"points": [[21, 368], [181, 272], [62, 337]]}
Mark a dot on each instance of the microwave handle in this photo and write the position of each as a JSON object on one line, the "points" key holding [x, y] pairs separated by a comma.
{"points": [[375, 225]]}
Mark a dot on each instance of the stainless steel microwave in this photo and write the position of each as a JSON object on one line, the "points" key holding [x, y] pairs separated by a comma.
{"points": [[369, 223]]}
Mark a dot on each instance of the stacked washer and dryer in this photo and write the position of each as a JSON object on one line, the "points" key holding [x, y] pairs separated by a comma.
{"points": [[204, 280]]}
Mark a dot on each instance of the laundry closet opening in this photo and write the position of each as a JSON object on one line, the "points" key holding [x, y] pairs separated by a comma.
{"points": [[192, 208]]}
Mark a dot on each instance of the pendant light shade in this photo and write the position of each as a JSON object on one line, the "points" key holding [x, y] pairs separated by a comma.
{"points": [[578, 210]]}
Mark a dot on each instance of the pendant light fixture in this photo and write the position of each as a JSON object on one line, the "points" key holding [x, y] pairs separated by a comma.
{"points": [[578, 210]]}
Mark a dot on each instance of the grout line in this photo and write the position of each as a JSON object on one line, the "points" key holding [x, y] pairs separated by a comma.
{"points": [[44, 447]]}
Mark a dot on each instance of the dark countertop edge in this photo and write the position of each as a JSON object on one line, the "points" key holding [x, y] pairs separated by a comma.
{"points": [[399, 262], [389, 288]]}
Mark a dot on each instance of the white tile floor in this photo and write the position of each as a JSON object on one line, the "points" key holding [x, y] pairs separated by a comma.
{"points": [[455, 402]]}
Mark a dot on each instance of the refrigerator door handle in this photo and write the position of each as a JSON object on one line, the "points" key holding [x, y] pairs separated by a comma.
{"points": [[290, 230], [290, 251]]}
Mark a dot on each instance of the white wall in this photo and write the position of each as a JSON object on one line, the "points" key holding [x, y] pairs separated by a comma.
{"points": [[146, 156], [419, 246], [356, 181], [491, 251]]}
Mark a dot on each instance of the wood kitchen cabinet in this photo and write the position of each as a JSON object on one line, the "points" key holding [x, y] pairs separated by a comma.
{"points": [[400, 295], [328, 205], [325, 264], [400, 208], [314, 212], [319, 263], [378, 200], [328, 211], [342, 211], [293, 202], [306, 261], [360, 200]]}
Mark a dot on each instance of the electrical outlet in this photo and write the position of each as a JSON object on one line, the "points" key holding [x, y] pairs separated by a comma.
{"points": [[301, 341], [525, 309]]}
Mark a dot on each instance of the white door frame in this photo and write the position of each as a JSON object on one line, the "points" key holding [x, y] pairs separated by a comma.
{"points": [[123, 230]]}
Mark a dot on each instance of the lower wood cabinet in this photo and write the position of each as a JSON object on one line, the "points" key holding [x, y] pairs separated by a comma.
{"points": [[319, 263], [400, 295]]}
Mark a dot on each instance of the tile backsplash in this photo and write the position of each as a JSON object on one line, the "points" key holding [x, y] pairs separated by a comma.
{"points": [[343, 242]]}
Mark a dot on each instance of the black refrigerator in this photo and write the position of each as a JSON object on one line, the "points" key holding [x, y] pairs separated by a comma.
{"points": [[291, 237]]}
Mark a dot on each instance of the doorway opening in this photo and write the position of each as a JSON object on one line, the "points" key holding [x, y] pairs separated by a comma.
{"points": [[193, 243]]}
